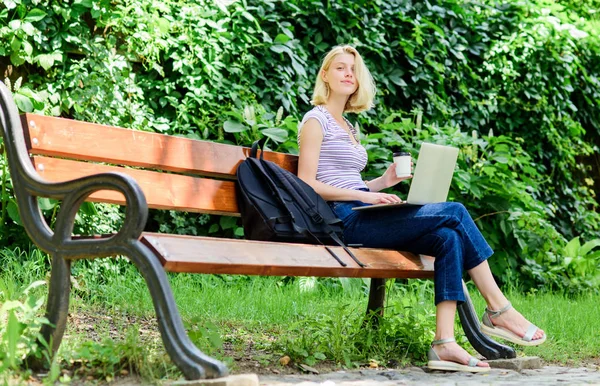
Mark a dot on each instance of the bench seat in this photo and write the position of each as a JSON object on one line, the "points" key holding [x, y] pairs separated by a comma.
{"points": [[197, 254]]}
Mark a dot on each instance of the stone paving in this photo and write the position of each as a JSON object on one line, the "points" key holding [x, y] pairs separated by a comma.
{"points": [[548, 375]]}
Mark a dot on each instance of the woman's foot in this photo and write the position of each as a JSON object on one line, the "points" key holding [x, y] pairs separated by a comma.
{"points": [[508, 323], [516, 323], [454, 353]]}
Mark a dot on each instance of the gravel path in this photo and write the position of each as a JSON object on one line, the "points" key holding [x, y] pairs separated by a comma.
{"points": [[548, 375]]}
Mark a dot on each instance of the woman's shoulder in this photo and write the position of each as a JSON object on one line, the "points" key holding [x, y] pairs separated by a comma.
{"points": [[318, 114]]}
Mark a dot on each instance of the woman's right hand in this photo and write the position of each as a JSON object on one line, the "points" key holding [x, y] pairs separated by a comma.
{"points": [[379, 198]]}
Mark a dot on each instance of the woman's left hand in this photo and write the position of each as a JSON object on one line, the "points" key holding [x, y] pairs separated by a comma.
{"points": [[389, 178]]}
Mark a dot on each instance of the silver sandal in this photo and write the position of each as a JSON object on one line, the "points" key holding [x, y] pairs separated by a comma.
{"points": [[435, 363], [488, 328]]}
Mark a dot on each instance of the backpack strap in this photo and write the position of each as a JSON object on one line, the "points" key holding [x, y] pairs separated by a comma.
{"points": [[258, 145], [307, 233], [282, 201], [296, 191], [335, 238], [299, 194]]}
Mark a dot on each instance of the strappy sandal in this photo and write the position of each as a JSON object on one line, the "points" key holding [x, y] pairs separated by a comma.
{"points": [[488, 328], [435, 363]]}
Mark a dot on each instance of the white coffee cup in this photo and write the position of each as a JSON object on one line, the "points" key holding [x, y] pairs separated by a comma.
{"points": [[402, 160]]}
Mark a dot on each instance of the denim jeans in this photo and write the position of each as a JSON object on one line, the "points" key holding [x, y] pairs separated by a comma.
{"points": [[444, 230]]}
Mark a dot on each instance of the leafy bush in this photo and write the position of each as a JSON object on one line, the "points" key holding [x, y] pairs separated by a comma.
{"points": [[21, 303], [347, 338]]}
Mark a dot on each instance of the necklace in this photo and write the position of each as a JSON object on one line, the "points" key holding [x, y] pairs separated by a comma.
{"points": [[344, 125]]}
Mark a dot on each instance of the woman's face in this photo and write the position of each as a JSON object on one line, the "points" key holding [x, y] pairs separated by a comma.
{"points": [[340, 76]]}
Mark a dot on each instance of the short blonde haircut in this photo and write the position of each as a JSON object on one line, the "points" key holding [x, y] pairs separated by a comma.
{"points": [[362, 98]]}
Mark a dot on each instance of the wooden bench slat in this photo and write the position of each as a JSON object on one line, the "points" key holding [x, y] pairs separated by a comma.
{"points": [[162, 190], [59, 137], [228, 256]]}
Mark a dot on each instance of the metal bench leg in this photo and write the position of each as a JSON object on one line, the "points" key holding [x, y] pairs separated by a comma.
{"points": [[484, 345], [376, 303], [189, 359], [57, 309]]}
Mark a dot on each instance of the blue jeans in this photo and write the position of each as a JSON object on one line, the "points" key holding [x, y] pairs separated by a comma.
{"points": [[445, 231]]}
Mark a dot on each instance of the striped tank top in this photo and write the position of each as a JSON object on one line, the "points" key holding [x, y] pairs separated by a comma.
{"points": [[340, 160]]}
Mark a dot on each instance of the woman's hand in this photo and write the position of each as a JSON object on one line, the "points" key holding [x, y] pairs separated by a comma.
{"points": [[379, 198], [389, 178]]}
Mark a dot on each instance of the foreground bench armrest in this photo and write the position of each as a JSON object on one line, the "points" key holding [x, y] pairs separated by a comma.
{"points": [[28, 186]]}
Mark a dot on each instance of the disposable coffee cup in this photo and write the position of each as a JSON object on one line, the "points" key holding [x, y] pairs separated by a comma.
{"points": [[402, 159]]}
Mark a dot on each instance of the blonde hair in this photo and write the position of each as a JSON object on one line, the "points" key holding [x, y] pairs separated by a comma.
{"points": [[362, 98]]}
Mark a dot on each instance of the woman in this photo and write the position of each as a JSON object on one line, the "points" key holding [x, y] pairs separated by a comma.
{"points": [[331, 159]]}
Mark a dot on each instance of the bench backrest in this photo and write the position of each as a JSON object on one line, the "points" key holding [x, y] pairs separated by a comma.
{"points": [[174, 173]]}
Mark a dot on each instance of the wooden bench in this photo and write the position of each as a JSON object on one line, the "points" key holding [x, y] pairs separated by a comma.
{"points": [[76, 161]]}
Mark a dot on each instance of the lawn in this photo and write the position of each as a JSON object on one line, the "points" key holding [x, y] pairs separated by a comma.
{"points": [[252, 323]]}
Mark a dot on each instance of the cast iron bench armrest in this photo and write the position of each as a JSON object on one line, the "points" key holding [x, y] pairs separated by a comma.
{"points": [[28, 185], [136, 214]]}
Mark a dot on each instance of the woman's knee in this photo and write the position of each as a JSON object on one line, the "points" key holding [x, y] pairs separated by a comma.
{"points": [[457, 208], [447, 234], [449, 252], [448, 238]]}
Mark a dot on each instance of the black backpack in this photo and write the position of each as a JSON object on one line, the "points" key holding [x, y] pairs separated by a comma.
{"points": [[276, 205]]}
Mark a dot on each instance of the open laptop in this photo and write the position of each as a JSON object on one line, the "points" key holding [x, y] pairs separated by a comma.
{"points": [[432, 177]]}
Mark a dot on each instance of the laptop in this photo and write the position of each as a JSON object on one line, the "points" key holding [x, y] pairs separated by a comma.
{"points": [[431, 179]]}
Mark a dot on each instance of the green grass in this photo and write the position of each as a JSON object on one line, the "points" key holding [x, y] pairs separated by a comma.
{"points": [[571, 324], [265, 318]]}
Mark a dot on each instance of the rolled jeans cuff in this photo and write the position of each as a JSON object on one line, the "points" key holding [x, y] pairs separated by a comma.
{"points": [[458, 297]]}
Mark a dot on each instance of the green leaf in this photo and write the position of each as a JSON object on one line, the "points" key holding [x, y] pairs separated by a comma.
{"points": [[435, 28], [163, 25], [10, 305], [276, 134], [248, 16], [14, 24], [15, 44], [12, 338], [213, 228], [587, 247], [23, 103], [222, 7], [46, 203], [47, 60], [593, 256], [35, 15], [13, 213], [87, 208], [231, 126], [282, 39], [161, 126], [227, 222], [28, 28], [27, 47], [298, 68], [85, 3], [459, 55], [10, 4], [278, 48], [35, 284], [572, 247], [320, 356], [396, 78]]}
